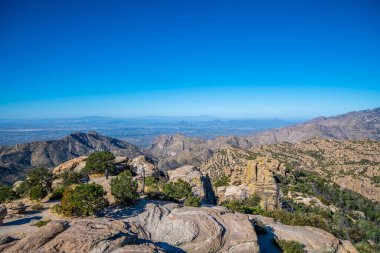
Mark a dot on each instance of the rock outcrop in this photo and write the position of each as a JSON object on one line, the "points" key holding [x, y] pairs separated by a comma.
{"points": [[247, 175], [16, 207], [140, 164], [191, 229], [314, 240], [198, 182], [76, 164], [352, 165]]}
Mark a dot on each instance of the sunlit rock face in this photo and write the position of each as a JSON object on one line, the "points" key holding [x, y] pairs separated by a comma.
{"points": [[247, 174]]}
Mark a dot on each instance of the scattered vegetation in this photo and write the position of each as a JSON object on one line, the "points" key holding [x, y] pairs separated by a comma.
{"points": [[250, 205], [98, 162], [193, 201], [124, 188], [57, 193], [83, 200], [222, 181], [343, 223], [177, 190], [376, 179], [70, 178], [7, 194], [42, 223], [37, 192], [57, 208], [290, 246]]}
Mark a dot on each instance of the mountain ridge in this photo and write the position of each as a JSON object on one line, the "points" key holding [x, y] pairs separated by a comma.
{"points": [[16, 160]]}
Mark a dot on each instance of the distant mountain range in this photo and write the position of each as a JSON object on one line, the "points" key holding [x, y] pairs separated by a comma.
{"points": [[171, 151], [176, 150], [16, 160]]}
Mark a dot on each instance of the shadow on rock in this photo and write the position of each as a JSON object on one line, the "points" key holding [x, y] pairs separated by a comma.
{"points": [[22, 221]]}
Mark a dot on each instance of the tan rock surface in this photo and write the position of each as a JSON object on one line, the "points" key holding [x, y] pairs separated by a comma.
{"points": [[248, 175], [76, 164], [314, 239], [140, 164], [192, 229], [192, 175]]}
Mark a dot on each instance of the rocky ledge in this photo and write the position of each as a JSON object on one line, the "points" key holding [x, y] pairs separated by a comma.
{"points": [[152, 226]]}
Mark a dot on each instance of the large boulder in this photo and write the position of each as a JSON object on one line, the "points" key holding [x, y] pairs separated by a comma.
{"points": [[76, 164], [3, 213], [192, 175], [314, 240], [190, 229], [142, 164], [100, 235]]}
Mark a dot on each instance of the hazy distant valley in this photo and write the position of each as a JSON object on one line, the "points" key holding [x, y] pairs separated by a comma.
{"points": [[139, 131]]}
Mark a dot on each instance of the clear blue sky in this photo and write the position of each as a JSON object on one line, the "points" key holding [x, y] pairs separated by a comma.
{"points": [[265, 59]]}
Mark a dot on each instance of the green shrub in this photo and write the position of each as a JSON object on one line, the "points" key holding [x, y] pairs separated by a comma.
{"points": [[177, 190], [124, 188], [249, 205], [299, 219], [375, 179], [149, 181], [98, 162], [39, 176], [42, 223], [193, 201], [57, 208], [83, 200], [57, 193], [70, 177], [365, 247], [37, 192], [22, 189], [6, 194], [290, 246], [222, 181], [37, 179]]}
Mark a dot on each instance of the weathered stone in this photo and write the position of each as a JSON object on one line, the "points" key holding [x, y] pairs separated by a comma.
{"points": [[16, 207], [141, 164], [191, 175], [91, 235], [34, 241], [3, 213], [120, 159], [193, 229], [76, 164], [314, 240]]}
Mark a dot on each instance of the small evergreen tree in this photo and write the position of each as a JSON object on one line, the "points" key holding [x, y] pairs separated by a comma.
{"points": [[124, 188], [37, 192], [98, 162], [83, 200]]}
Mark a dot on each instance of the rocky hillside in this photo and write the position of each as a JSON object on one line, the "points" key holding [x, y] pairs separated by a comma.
{"points": [[178, 150], [350, 126], [16, 160], [354, 165], [173, 151]]}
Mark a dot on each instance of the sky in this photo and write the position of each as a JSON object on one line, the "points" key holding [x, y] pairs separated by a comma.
{"points": [[228, 59]]}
